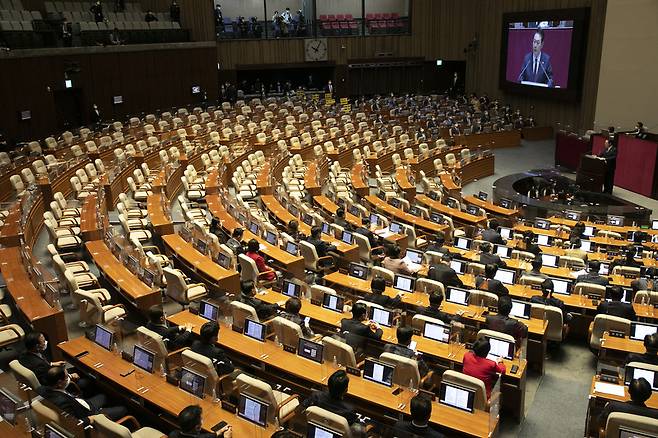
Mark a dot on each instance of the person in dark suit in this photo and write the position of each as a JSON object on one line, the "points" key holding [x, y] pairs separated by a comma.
{"points": [[190, 421], [489, 283], [174, 12], [364, 230], [609, 154], [321, 247], [651, 354], [488, 258], [377, 287], [628, 260], [404, 335], [528, 245], [293, 306], [547, 298], [616, 307], [248, 296], [333, 399], [436, 244], [293, 230], [639, 391], [434, 309], [593, 275], [492, 234], [504, 324], [340, 220], [444, 274], [236, 243], [175, 337], [421, 411], [536, 65], [55, 391], [357, 333], [206, 345]]}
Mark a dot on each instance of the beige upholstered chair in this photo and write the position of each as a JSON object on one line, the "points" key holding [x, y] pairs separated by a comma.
{"points": [[181, 292], [461, 379], [644, 426], [604, 323], [111, 429], [343, 352], [328, 420], [281, 406]]}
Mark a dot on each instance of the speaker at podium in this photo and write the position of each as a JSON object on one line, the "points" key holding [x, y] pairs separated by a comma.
{"points": [[591, 173]]}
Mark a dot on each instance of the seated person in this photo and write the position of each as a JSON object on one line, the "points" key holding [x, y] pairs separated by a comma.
{"points": [[175, 337], [477, 365], [340, 220], [616, 307], [536, 269], [434, 309], [574, 250], [333, 399], [321, 247], [639, 390], [189, 422], [492, 234], [357, 332], [235, 242], [206, 345], [593, 276], [364, 230], [443, 273], [55, 391], [488, 258], [547, 298], [252, 252], [577, 232], [404, 335], [377, 287], [651, 354], [393, 262], [34, 358], [489, 283], [248, 296], [504, 324], [293, 230], [628, 260], [527, 244], [293, 306], [436, 244], [421, 411]]}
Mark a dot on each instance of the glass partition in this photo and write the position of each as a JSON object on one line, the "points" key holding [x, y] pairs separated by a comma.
{"points": [[386, 17], [339, 18]]}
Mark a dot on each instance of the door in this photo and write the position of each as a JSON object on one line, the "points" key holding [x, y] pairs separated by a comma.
{"points": [[68, 104]]}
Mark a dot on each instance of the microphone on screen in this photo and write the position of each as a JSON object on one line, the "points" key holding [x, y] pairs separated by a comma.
{"points": [[546, 74], [523, 71]]}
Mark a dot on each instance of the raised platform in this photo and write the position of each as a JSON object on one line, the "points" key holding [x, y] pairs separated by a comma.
{"points": [[544, 193]]}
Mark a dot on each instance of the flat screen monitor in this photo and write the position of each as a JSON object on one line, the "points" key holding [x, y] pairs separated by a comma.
{"points": [[505, 233], [395, 202], [395, 228], [403, 283], [143, 358], [561, 286], [414, 210], [192, 382], [641, 329], [354, 210], [505, 276], [654, 224], [317, 431], [208, 310], [378, 372], [542, 224], [572, 215], [629, 433], [292, 248], [293, 210], [310, 350], [463, 243], [586, 245], [459, 266], [521, 309], [223, 260], [617, 221], [436, 218], [254, 330], [458, 296], [472, 209], [374, 220], [9, 404], [291, 289], [254, 228], [506, 203], [503, 251], [549, 260], [325, 228], [252, 409], [381, 316], [307, 219], [54, 431], [543, 240], [333, 302], [415, 256], [271, 238], [500, 348], [357, 270], [637, 372], [482, 196], [347, 237], [438, 332], [589, 231], [457, 396], [103, 337]]}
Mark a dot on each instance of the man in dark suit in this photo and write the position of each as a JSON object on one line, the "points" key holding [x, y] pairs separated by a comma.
{"points": [[333, 399], [536, 65], [421, 411], [404, 335], [340, 220], [504, 324], [434, 309], [54, 390], [616, 307], [436, 245], [489, 283], [356, 332], [175, 337], [444, 274], [236, 243], [593, 275], [547, 298], [488, 258], [609, 155], [190, 421], [651, 354], [364, 230], [206, 345], [639, 391], [492, 234], [248, 296], [377, 287], [321, 247]]}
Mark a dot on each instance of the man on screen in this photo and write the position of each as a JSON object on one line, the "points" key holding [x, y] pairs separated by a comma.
{"points": [[536, 65]]}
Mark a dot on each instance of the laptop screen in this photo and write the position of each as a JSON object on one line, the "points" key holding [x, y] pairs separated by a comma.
{"points": [[8, 406], [456, 396], [291, 289], [560, 286], [505, 276], [543, 240], [208, 310], [333, 302], [586, 245], [316, 431], [462, 243], [252, 410], [415, 256], [347, 237], [542, 224], [520, 309], [395, 227], [103, 337], [458, 296], [639, 330], [379, 372], [310, 350], [572, 215], [54, 431], [381, 316], [500, 348], [615, 220], [143, 358], [505, 233], [292, 248], [504, 252], [636, 373], [358, 270], [254, 330], [549, 260], [459, 266], [192, 382], [438, 332], [271, 238], [589, 231], [403, 283]]}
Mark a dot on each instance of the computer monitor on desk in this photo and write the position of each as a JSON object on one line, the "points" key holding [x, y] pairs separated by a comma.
{"points": [[459, 266], [503, 251], [357, 270], [310, 350], [9, 404], [291, 289], [254, 330], [572, 215], [333, 302], [395, 228], [506, 276], [208, 310], [381, 316], [462, 243], [271, 237], [561, 286], [549, 260], [457, 396], [641, 329], [500, 348], [103, 337], [378, 372], [458, 296], [614, 220], [192, 382], [403, 283], [320, 431], [143, 358], [252, 409], [586, 245], [437, 332], [521, 309], [637, 372], [505, 233], [292, 248], [544, 240]]}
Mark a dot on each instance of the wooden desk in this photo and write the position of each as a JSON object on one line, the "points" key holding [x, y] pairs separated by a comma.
{"points": [[402, 177], [491, 207], [403, 216], [214, 276], [263, 184], [454, 213], [151, 390], [377, 399], [125, 282], [491, 140], [312, 179], [90, 229], [160, 220], [359, 184]]}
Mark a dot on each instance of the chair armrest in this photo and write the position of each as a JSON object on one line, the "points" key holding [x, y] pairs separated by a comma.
{"points": [[266, 272], [282, 404], [10, 327], [114, 306], [69, 229], [428, 378], [151, 248], [131, 419]]}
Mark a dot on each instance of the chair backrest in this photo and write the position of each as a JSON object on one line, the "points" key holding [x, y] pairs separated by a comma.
{"points": [[482, 298], [46, 413], [249, 270], [241, 311], [469, 382], [176, 286], [153, 342], [387, 274], [24, 375], [429, 286], [589, 288], [644, 426], [343, 352], [110, 429], [329, 420], [310, 255], [260, 390], [531, 280], [554, 320], [604, 323], [495, 334], [406, 369], [287, 331], [418, 321], [204, 366]]}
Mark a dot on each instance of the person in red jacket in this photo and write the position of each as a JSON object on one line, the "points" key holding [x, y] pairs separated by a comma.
{"points": [[477, 365], [252, 252]]}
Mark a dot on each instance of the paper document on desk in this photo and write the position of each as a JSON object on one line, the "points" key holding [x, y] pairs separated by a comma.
{"points": [[609, 388], [414, 267], [262, 247], [576, 274], [384, 233]]}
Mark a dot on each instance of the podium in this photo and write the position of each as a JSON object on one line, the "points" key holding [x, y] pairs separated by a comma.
{"points": [[591, 173]]}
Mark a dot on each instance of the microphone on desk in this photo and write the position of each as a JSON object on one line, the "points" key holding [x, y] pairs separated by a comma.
{"points": [[547, 77], [523, 71]]}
